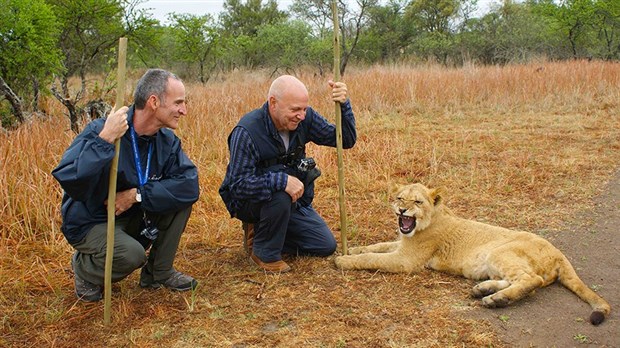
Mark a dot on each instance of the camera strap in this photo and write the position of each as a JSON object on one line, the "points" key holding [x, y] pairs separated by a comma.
{"points": [[285, 159]]}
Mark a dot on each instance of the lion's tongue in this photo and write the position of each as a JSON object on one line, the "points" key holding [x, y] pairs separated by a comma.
{"points": [[406, 223]]}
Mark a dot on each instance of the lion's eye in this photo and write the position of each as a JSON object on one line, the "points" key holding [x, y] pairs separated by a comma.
{"points": [[404, 200]]}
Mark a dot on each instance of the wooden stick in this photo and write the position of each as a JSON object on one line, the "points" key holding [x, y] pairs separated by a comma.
{"points": [[120, 99], [341, 197]]}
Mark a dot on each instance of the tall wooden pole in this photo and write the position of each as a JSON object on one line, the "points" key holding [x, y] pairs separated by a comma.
{"points": [[120, 100], [341, 197]]}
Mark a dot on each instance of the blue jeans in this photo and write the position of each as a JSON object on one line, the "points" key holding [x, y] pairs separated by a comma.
{"points": [[281, 226]]}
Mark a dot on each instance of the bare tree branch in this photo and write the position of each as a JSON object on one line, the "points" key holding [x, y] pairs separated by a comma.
{"points": [[16, 103]]}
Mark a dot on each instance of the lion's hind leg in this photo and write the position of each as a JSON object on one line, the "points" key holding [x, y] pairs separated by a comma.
{"points": [[488, 287], [524, 284]]}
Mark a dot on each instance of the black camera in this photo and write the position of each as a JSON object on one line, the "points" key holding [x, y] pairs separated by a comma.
{"points": [[306, 164], [308, 170], [150, 232]]}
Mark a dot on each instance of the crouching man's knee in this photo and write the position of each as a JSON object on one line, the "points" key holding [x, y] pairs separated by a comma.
{"points": [[326, 249], [128, 258]]}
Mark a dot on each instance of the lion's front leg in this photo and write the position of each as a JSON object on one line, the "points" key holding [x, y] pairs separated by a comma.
{"points": [[393, 262], [385, 247]]}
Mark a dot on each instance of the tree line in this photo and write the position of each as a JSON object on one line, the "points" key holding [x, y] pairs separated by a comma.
{"points": [[43, 43]]}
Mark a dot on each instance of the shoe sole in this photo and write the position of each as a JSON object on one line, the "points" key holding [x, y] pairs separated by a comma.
{"points": [[155, 286], [88, 299]]}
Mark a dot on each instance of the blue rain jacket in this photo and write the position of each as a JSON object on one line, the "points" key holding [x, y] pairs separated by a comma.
{"points": [[84, 174]]}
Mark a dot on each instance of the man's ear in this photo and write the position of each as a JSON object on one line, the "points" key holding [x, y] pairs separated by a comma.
{"points": [[437, 194], [153, 101], [272, 101]]}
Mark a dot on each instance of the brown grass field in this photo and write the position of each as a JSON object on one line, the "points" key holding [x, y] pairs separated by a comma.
{"points": [[516, 146]]}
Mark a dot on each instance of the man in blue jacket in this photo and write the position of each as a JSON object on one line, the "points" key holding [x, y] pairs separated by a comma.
{"points": [[156, 187], [269, 182]]}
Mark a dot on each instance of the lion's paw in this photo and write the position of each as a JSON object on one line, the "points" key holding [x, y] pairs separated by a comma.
{"points": [[356, 250], [489, 287], [342, 262], [480, 291], [495, 301]]}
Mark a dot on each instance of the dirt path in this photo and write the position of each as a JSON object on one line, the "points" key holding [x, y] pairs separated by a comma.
{"points": [[554, 316]]}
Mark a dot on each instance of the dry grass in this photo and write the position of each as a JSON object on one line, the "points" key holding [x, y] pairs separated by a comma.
{"points": [[514, 146]]}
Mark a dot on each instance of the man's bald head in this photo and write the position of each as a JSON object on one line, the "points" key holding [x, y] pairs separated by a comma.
{"points": [[285, 85]]}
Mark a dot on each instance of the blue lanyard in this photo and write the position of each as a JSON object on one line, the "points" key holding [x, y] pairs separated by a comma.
{"points": [[142, 177]]}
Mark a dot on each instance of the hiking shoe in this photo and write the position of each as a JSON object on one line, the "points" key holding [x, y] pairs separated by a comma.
{"points": [[274, 267], [85, 290], [248, 237], [177, 281]]}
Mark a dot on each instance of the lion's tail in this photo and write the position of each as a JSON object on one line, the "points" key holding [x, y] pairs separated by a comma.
{"points": [[569, 278]]}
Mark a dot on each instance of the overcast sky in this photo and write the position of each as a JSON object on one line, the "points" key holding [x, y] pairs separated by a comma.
{"points": [[160, 8]]}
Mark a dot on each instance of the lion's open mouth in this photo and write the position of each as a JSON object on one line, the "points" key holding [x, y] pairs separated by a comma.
{"points": [[406, 223]]}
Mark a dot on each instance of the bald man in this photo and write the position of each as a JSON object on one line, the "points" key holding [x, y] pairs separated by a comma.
{"points": [[269, 182]]}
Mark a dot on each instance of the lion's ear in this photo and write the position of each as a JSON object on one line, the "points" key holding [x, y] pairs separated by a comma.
{"points": [[393, 189], [437, 194]]}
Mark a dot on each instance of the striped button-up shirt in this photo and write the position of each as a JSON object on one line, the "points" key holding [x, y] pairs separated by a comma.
{"points": [[245, 181]]}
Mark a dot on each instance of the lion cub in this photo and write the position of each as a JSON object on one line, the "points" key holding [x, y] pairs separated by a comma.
{"points": [[512, 263]]}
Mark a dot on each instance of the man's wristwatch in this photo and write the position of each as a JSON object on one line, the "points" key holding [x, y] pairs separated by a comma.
{"points": [[138, 196]]}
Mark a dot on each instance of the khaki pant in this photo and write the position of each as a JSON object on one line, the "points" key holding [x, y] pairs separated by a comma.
{"points": [[129, 254]]}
